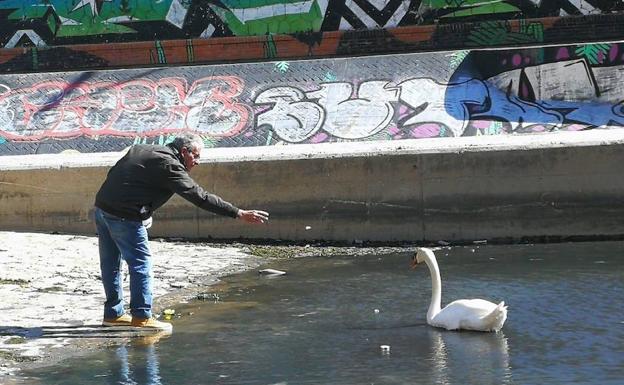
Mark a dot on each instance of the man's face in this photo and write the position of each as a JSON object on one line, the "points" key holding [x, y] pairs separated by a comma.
{"points": [[191, 156]]}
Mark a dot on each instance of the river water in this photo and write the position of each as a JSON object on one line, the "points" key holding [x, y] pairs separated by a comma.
{"points": [[324, 322]]}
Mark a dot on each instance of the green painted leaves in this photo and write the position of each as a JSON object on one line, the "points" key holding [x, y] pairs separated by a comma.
{"points": [[594, 53]]}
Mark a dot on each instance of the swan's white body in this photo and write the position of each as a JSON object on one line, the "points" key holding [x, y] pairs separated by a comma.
{"points": [[469, 314]]}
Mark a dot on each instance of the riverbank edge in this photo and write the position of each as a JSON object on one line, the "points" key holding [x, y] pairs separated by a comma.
{"points": [[52, 280], [248, 256]]}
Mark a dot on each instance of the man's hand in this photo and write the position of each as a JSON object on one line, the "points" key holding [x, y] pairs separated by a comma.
{"points": [[253, 216]]}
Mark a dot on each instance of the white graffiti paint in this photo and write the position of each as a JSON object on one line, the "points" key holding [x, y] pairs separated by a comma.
{"points": [[361, 117], [584, 7], [295, 116], [212, 106], [176, 14], [32, 36], [442, 103], [93, 4], [246, 14], [387, 14], [291, 116]]}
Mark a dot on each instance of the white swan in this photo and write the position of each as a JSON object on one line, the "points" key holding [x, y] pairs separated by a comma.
{"points": [[469, 314]]}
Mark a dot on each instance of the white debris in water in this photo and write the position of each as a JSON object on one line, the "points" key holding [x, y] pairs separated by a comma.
{"points": [[305, 314], [385, 349], [308, 227], [376, 311], [271, 272]]}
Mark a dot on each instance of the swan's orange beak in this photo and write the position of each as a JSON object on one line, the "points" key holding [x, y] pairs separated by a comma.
{"points": [[414, 262]]}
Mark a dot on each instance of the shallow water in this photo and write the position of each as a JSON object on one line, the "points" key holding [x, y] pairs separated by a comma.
{"points": [[318, 324]]}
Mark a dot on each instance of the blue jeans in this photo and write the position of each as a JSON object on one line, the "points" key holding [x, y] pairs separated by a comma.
{"points": [[124, 239]]}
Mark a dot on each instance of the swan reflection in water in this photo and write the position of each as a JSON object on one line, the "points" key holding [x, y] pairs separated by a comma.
{"points": [[136, 362], [469, 358]]}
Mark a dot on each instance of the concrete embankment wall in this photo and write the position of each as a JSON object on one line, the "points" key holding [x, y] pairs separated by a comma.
{"points": [[455, 189]]}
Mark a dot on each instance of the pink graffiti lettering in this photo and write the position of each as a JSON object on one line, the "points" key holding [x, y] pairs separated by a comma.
{"points": [[57, 109]]}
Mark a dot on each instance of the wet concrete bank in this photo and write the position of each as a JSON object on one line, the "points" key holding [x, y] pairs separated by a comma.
{"points": [[49, 281], [554, 185], [52, 295]]}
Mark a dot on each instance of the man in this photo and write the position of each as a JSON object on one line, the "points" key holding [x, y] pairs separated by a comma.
{"points": [[138, 184]]}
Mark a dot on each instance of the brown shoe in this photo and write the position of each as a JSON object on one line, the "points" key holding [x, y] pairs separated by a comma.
{"points": [[151, 323], [122, 320]]}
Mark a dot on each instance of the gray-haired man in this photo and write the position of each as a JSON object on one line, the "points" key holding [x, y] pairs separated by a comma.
{"points": [[138, 184]]}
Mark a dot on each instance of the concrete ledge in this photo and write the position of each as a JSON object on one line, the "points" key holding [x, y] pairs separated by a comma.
{"points": [[456, 189], [339, 150]]}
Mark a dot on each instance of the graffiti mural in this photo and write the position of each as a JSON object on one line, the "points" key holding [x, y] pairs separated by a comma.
{"points": [[453, 9], [57, 35], [44, 23], [445, 94], [57, 109]]}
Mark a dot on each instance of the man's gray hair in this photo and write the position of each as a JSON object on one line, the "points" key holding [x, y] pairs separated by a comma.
{"points": [[188, 140]]}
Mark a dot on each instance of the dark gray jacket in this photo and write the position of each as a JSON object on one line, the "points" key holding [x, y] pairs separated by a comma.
{"points": [[146, 177]]}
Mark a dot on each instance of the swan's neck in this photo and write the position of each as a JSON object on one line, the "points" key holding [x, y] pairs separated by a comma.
{"points": [[436, 288]]}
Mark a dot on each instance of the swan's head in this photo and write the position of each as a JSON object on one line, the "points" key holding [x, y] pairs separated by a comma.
{"points": [[421, 255]]}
